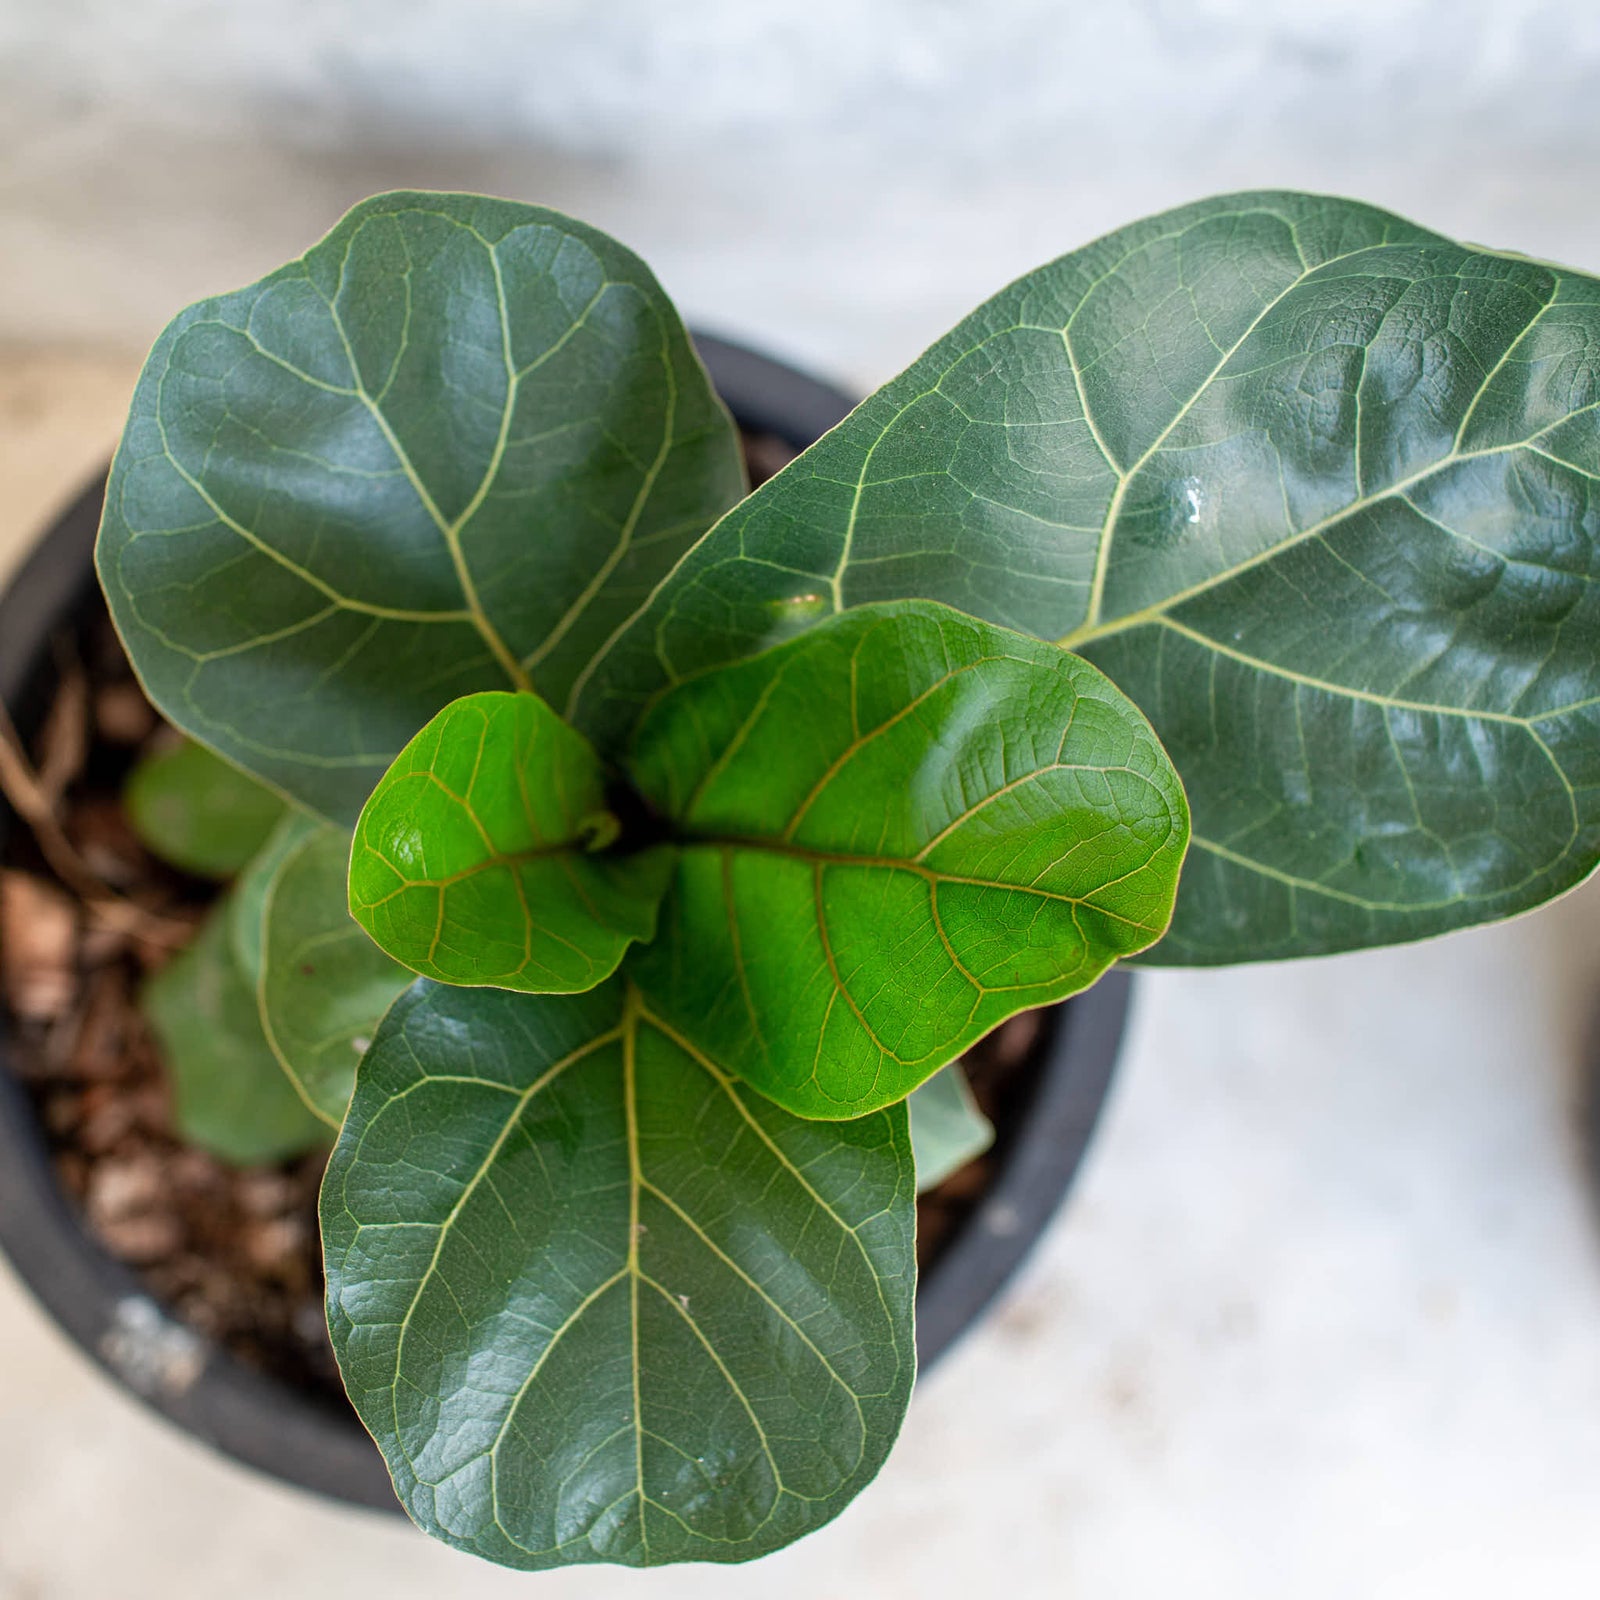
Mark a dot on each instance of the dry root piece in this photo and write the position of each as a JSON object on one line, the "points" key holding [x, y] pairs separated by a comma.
{"points": [[100, 1044], [766, 455], [128, 1208], [265, 1193], [64, 741], [275, 1247], [38, 938], [1011, 1042], [105, 841], [21, 785], [123, 715]]}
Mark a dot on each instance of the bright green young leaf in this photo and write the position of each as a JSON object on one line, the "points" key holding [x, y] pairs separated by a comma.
{"points": [[323, 985], [195, 811], [894, 832], [947, 1128], [229, 1094], [451, 448], [481, 859], [1317, 488], [598, 1302]]}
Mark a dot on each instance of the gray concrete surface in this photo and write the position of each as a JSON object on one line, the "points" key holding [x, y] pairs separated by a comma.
{"points": [[841, 181]]}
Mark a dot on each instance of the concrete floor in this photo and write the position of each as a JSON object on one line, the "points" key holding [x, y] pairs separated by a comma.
{"points": [[1322, 1319]]}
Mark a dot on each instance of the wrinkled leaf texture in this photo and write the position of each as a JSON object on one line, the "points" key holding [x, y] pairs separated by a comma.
{"points": [[1319, 489], [599, 1302], [476, 859], [893, 833], [450, 449]]}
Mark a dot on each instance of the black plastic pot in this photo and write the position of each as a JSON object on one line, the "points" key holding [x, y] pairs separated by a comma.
{"points": [[258, 1421]]}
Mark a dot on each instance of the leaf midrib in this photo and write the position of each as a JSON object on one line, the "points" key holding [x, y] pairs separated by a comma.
{"points": [[509, 859], [1371, 697], [1126, 475], [730, 843], [636, 1013], [1088, 634], [450, 531], [1326, 891], [524, 1098]]}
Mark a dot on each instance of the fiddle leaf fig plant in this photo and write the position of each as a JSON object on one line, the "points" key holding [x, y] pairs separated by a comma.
{"points": [[654, 849]]}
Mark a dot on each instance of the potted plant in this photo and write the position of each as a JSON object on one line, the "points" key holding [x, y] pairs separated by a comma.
{"points": [[717, 824], [195, 1280]]}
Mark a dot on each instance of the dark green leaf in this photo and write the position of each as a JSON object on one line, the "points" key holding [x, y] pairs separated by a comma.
{"points": [[596, 1301], [450, 449], [323, 985], [1319, 489], [198, 813], [229, 1093], [476, 859], [947, 1128], [895, 832]]}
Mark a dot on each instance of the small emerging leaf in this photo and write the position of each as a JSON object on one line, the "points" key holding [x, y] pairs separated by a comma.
{"points": [[476, 859], [324, 985], [229, 1093], [896, 831], [596, 1301], [947, 1128], [198, 813]]}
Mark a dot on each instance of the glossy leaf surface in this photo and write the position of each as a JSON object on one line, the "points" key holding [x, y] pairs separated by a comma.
{"points": [[323, 985], [229, 1093], [1318, 488], [477, 859], [894, 832], [449, 449], [947, 1128], [195, 811], [597, 1301]]}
